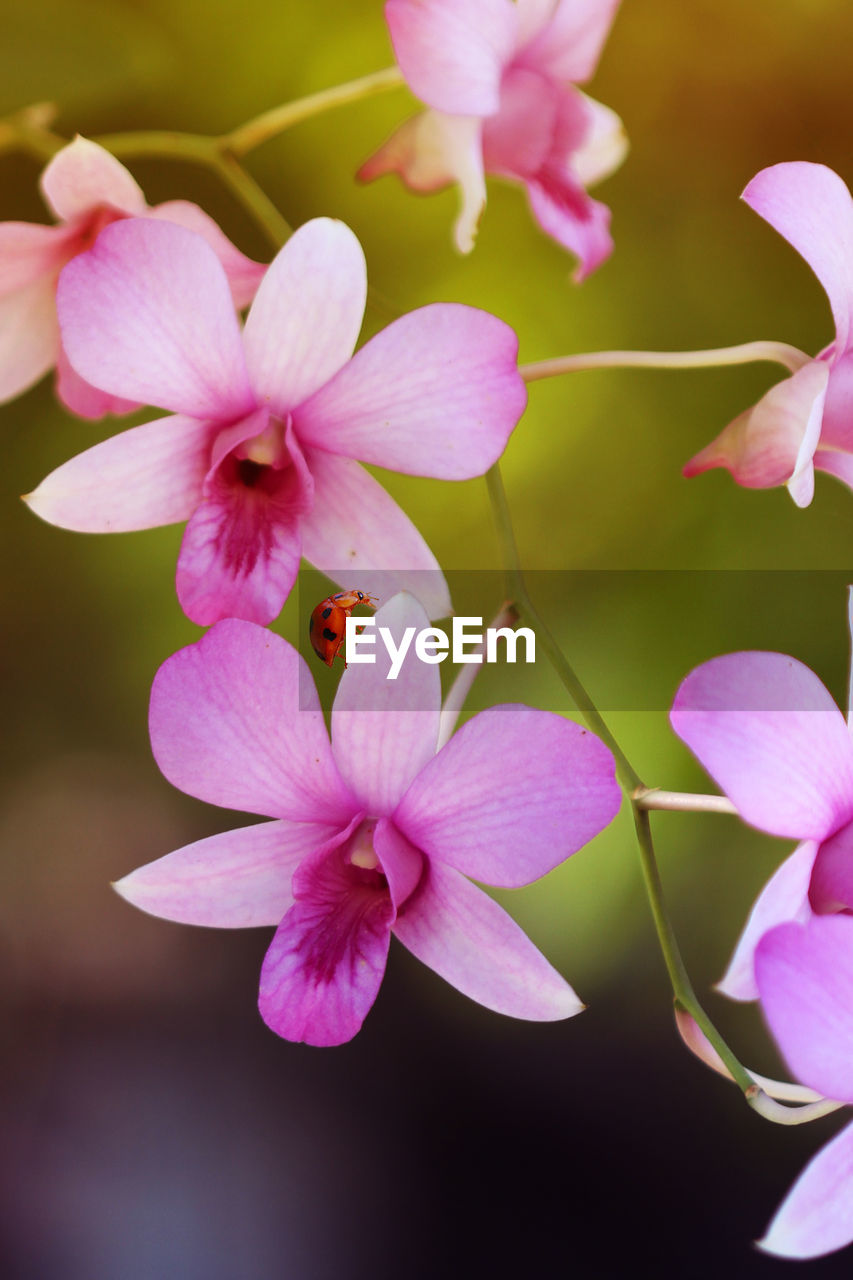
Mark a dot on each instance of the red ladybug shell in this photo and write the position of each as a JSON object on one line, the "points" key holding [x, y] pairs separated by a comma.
{"points": [[327, 627]]}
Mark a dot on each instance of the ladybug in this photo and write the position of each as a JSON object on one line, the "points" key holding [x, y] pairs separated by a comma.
{"points": [[328, 622]]}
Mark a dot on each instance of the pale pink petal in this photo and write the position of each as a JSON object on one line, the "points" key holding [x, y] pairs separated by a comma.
{"points": [[532, 17], [773, 442], [835, 464], [355, 532], [469, 940], [519, 138], [244, 274], [805, 981], [82, 398], [604, 147], [147, 314], [453, 52], [831, 886], [145, 477], [514, 792], [436, 393], [305, 320], [239, 556], [816, 1216], [326, 961], [811, 207], [770, 735], [235, 880], [565, 212], [569, 45], [384, 731], [83, 176], [29, 336], [428, 152], [235, 720], [29, 251], [785, 897], [402, 864]]}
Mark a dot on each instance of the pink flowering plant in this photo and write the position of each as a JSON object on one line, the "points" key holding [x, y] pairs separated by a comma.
{"points": [[259, 435]]}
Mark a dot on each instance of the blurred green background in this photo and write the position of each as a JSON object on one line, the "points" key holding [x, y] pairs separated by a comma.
{"points": [[665, 573]]}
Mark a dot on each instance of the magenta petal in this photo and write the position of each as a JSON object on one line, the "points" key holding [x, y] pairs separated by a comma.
{"points": [[815, 1217], [305, 320], [326, 961], [458, 931], [239, 557], [148, 476], [831, 886], [402, 864], [514, 792], [235, 880], [811, 207], [805, 981], [384, 731], [29, 336], [244, 274], [356, 532], [437, 393], [569, 45], [785, 897], [83, 176], [147, 314], [566, 213], [453, 52], [772, 738], [235, 720]]}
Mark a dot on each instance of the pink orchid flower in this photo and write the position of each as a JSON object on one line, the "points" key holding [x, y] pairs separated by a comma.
{"points": [[805, 422], [771, 736], [805, 981], [499, 80], [86, 188], [372, 835], [259, 453]]}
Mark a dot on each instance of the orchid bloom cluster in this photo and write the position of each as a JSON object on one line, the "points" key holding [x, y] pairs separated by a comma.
{"points": [[264, 428]]}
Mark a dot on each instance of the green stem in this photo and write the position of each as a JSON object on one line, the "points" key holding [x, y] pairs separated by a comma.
{"points": [[250, 135], [253, 197], [682, 989], [745, 353]]}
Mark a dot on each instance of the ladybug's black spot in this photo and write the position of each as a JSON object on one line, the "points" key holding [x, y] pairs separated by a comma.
{"points": [[326, 612], [249, 472], [329, 634]]}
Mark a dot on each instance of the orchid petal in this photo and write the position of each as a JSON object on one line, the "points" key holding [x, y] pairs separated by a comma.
{"points": [[235, 880], [356, 532], [402, 864], [147, 314], [770, 735], [431, 150], [460, 933], [532, 17], [773, 442], [513, 793], [815, 1217], [437, 393], [324, 966], [453, 52], [811, 207], [805, 981], [565, 212], [569, 46], [518, 139], [605, 145], [307, 314], [835, 464], [384, 731], [235, 720], [785, 897], [244, 274], [83, 176], [29, 336], [831, 885], [148, 476], [837, 426], [82, 398], [29, 251]]}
